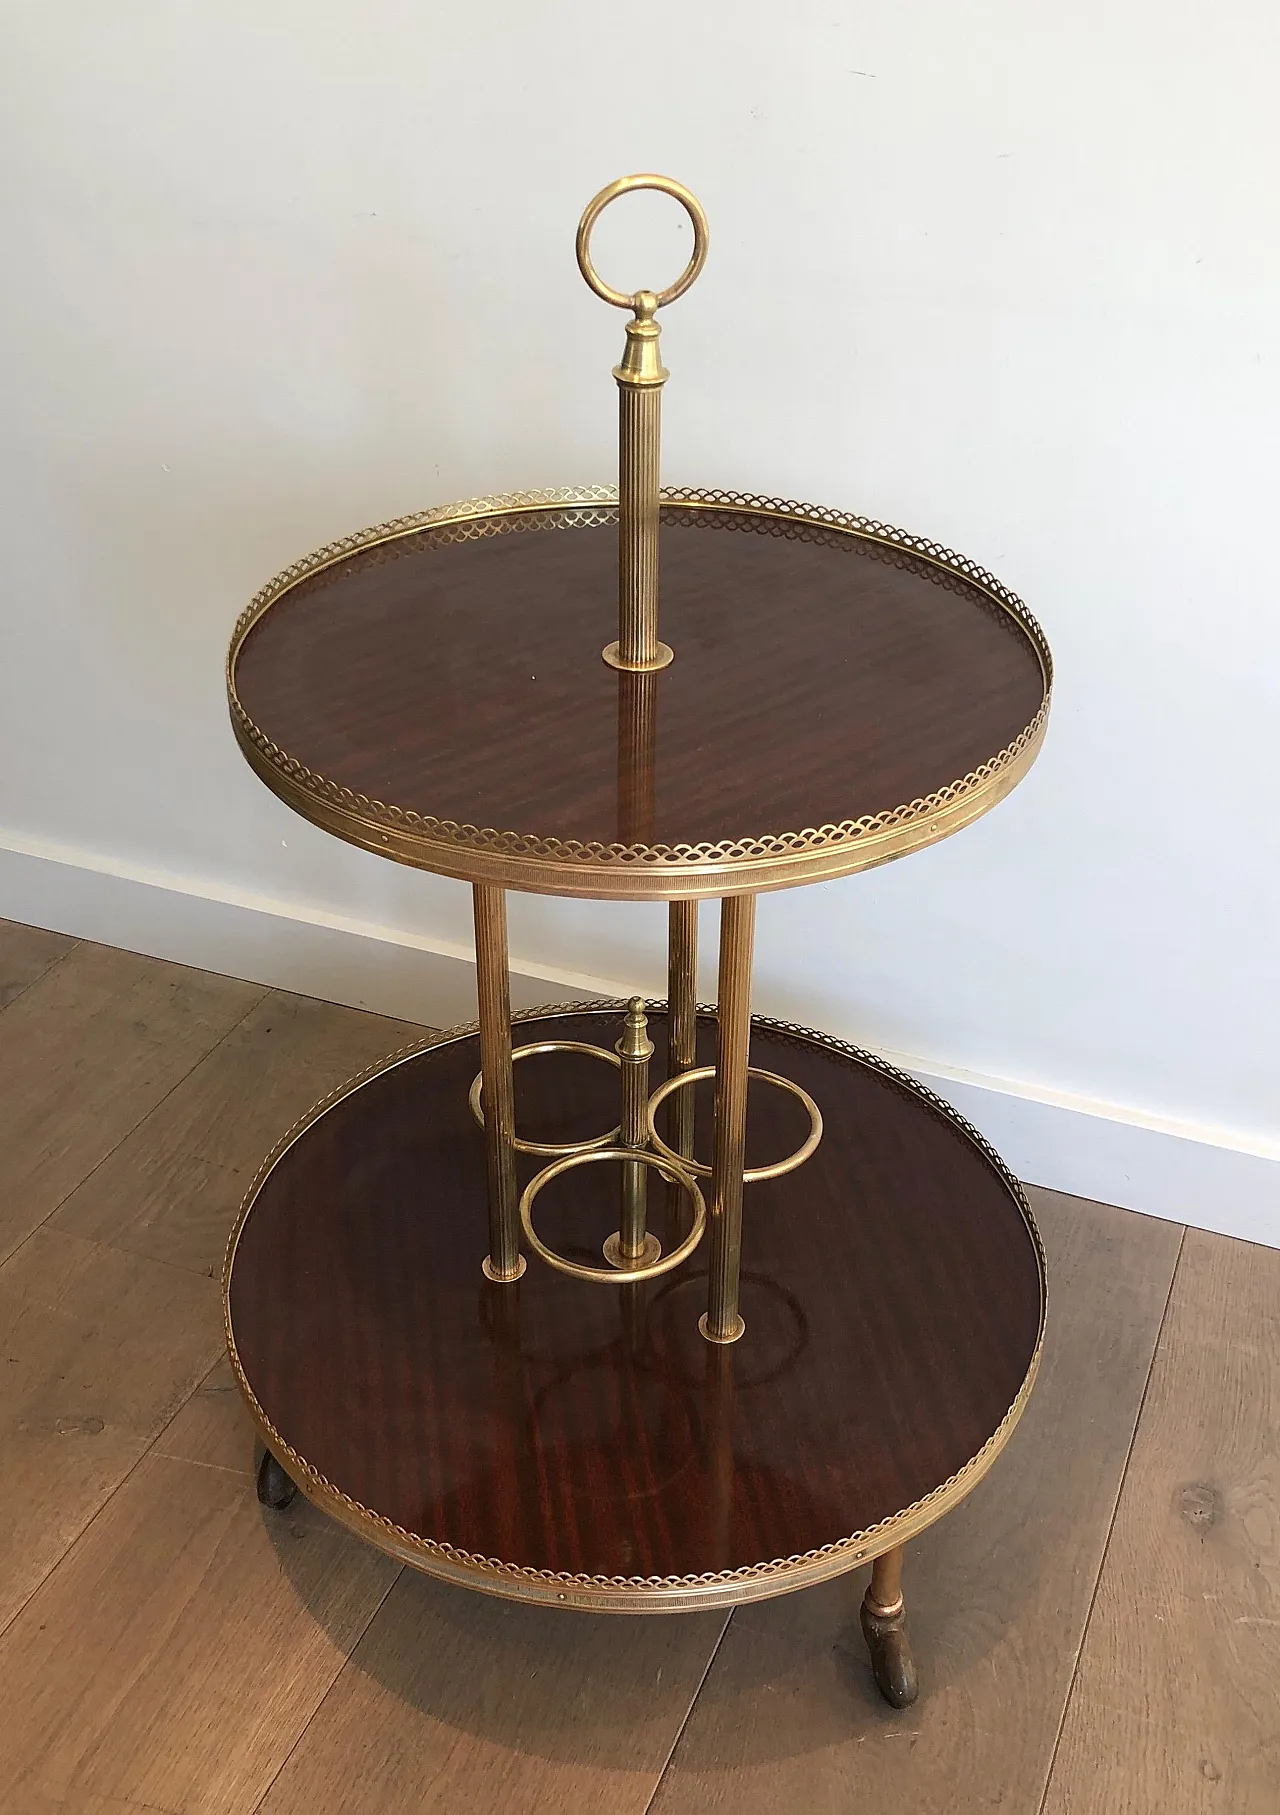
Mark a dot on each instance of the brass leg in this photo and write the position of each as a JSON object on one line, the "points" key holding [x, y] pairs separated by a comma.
{"points": [[504, 1260], [632, 1245], [721, 1391], [884, 1626], [737, 939], [682, 1019]]}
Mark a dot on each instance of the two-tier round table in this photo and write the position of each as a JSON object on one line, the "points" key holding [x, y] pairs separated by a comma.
{"points": [[842, 694]]}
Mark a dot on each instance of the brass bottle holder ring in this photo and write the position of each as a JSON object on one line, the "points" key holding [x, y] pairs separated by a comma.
{"points": [[753, 1174], [550, 1149], [671, 1170]]}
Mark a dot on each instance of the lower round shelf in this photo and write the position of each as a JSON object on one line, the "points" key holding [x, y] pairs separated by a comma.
{"points": [[582, 1444]]}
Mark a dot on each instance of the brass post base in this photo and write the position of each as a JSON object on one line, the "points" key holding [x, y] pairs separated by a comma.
{"points": [[735, 1330], [892, 1664], [651, 1252], [612, 653], [503, 1279]]}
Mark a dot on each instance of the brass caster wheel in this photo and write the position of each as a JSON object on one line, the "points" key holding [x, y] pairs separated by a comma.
{"points": [[275, 1488], [892, 1664]]}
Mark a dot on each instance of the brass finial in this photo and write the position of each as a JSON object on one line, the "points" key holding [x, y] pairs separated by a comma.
{"points": [[635, 1042]]}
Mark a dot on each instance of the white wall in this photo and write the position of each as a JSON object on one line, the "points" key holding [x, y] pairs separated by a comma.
{"points": [[277, 270]]}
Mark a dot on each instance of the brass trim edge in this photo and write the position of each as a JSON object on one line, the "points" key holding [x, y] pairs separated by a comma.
{"points": [[552, 866], [637, 1594]]}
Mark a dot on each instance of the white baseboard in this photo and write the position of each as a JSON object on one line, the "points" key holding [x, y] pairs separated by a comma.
{"points": [[285, 944], [1180, 1171], [1211, 1178]]}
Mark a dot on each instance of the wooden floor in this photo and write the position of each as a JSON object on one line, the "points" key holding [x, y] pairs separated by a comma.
{"points": [[1098, 1626]]}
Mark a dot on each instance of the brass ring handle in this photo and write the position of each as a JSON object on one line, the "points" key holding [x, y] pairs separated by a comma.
{"points": [[595, 207]]}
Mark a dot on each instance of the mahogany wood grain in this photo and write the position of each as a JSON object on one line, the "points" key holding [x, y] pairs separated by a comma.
{"points": [[890, 1293], [814, 681]]}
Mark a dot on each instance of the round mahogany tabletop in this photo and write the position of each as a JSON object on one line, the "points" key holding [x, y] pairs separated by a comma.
{"points": [[841, 693], [582, 1444]]}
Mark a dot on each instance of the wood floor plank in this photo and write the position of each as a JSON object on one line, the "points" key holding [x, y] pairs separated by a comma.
{"points": [[171, 1188], [175, 1655], [26, 953], [85, 1053], [455, 1702], [1176, 1705], [997, 1593], [60, 1799], [213, 1428], [97, 1350]]}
